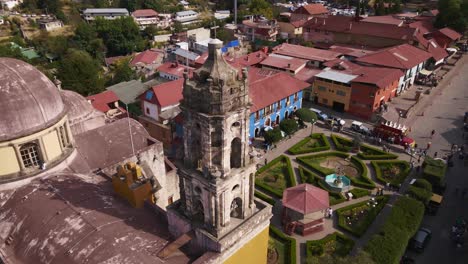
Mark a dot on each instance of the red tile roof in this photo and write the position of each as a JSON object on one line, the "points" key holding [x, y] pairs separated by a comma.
{"points": [[450, 33], [437, 52], [202, 58], [250, 59], [100, 101], [144, 13], [175, 69], [305, 52], [403, 56], [298, 23], [389, 19], [305, 198], [307, 74], [273, 88], [165, 94], [348, 25], [284, 62], [423, 26], [311, 9], [145, 57], [353, 50]]}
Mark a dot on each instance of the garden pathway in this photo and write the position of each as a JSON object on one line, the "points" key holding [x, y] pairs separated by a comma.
{"points": [[331, 225]]}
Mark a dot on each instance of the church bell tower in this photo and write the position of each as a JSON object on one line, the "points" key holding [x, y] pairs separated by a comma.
{"points": [[217, 175]]}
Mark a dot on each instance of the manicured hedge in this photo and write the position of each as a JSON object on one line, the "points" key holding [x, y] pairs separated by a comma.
{"points": [[388, 245], [420, 190], [358, 193], [316, 247], [360, 230], [290, 178], [363, 180], [371, 153], [322, 142], [404, 171], [342, 144], [265, 198], [317, 168], [434, 171], [311, 178], [289, 244]]}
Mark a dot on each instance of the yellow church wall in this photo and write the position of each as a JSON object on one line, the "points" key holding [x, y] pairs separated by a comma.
{"points": [[254, 252], [9, 161], [52, 145]]}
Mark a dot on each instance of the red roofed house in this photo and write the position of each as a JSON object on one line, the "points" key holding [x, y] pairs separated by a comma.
{"points": [[108, 103], [145, 17], [346, 30], [160, 105], [304, 207], [251, 59], [292, 29], [409, 59], [446, 37], [287, 64], [315, 57], [146, 62], [309, 11], [173, 71], [257, 28]]}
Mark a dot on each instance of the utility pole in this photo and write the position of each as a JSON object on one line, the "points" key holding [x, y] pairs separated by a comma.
{"points": [[235, 12], [214, 27]]}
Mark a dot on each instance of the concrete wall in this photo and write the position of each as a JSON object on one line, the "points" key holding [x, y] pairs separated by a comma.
{"points": [[9, 162], [259, 124], [53, 148], [150, 110], [255, 251], [363, 104]]}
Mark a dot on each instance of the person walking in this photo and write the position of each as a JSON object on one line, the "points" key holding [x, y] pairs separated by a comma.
{"points": [[435, 154], [432, 133], [428, 145]]}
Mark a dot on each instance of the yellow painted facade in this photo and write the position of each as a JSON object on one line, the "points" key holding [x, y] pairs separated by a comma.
{"points": [[129, 183], [329, 92], [254, 252], [48, 142]]}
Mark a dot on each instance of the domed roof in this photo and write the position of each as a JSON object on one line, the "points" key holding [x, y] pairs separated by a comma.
{"points": [[78, 107], [29, 101]]}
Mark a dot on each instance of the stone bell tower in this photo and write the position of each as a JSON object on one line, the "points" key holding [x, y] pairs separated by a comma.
{"points": [[217, 175]]}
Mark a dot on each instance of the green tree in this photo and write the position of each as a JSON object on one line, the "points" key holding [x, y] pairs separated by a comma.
{"points": [[79, 72], [307, 115], [273, 136], [361, 257], [86, 38], [122, 72], [289, 126], [453, 14], [7, 51], [261, 7]]}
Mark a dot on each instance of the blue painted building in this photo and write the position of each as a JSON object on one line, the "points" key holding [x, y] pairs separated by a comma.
{"points": [[274, 98]]}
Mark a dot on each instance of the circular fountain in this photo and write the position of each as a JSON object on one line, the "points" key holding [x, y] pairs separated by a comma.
{"points": [[338, 183]]}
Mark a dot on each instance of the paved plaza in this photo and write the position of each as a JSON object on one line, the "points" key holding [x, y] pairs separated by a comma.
{"points": [[443, 111]]}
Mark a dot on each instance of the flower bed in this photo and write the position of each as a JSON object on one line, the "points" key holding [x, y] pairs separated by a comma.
{"points": [[341, 143], [309, 177], [285, 244], [391, 171], [371, 153], [356, 218], [313, 143], [276, 176], [388, 245], [333, 244]]}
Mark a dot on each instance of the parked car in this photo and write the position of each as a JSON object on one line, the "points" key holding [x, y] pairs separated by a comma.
{"points": [[320, 115], [420, 239], [360, 128], [337, 120]]}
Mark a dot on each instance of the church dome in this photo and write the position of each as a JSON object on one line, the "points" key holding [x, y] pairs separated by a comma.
{"points": [[30, 101]]}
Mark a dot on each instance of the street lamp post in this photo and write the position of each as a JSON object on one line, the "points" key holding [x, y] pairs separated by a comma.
{"points": [[400, 115], [312, 123]]}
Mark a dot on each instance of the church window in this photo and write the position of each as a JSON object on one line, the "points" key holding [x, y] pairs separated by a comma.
{"points": [[235, 188], [236, 208], [236, 155], [147, 111], [30, 155], [63, 136]]}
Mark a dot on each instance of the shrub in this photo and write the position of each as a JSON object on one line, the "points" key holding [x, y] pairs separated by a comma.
{"points": [[362, 181], [289, 126], [273, 136], [422, 183], [289, 177], [321, 145], [306, 115], [265, 198], [341, 143], [371, 153], [434, 171], [311, 178], [358, 193], [398, 178], [360, 229], [419, 194], [316, 247], [306, 160], [387, 246], [289, 244]]}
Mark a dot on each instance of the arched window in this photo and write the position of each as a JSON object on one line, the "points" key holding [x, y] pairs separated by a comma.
{"points": [[198, 211], [236, 208], [30, 155], [235, 188], [63, 136], [236, 149]]}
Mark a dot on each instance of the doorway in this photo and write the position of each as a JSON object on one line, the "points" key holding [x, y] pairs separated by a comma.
{"points": [[339, 107]]}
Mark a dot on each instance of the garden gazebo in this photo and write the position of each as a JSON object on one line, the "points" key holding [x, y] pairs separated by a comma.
{"points": [[304, 208]]}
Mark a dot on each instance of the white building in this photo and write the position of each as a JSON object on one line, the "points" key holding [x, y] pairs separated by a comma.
{"points": [[186, 17], [10, 4], [50, 25], [90, 14], [149, 17], [222, 14]]}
